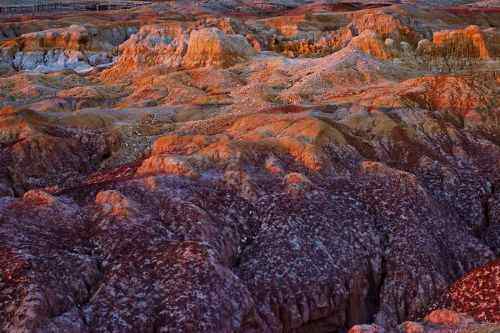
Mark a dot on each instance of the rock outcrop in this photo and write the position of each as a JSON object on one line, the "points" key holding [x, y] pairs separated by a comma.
{"points": [[173, 46], [211, 47], [471, 42], [75, 47], [394, 26], [455, 50], [243, 167], [37, 153], [477, 293], [153, 45], [444, 320], [371, 43]]}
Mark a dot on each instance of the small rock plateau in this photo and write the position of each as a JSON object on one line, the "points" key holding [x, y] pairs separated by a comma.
{"points": [[251, 166]]}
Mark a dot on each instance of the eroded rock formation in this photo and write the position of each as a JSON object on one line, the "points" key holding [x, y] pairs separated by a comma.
{"points": [[287, 167]]}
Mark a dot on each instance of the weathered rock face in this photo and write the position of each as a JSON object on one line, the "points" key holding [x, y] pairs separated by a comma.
{"points": [[73, 38], [211, 47], [470, 41], [75, 47], [233, 173], [386, 25], [369, 42], [249, 139], [37, 154], [455, 50], [448, 92], [152, 45], [174, 47], [286, 271], [477, 293]]}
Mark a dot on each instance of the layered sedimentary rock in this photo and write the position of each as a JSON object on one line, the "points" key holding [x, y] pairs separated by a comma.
{"points": [[371, 43], [471, 39], [75, 47], [176, 47], [287, 271], [284, 168], [211, 47], [152, 45]]}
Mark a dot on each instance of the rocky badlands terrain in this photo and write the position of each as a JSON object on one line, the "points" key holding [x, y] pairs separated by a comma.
{"points": [[244, 166]]}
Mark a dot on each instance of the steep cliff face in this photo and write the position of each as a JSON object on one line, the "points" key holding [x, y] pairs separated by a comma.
{"points": [[471, 42]]}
